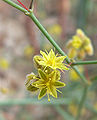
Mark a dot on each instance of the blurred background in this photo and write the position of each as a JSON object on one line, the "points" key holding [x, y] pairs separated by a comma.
{"points": [[20, 40]]}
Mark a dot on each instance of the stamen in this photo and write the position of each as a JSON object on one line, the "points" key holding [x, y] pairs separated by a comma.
{"points": [[50, 79], [69, 64], [46, 51], [59, 91], [62, 71], [48, 97], [23, 5], [46, 71]]}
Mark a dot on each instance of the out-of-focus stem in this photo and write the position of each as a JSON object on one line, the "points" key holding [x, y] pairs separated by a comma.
{"points": [[81, 104]]}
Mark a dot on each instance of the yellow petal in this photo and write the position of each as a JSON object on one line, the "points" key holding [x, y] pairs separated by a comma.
{"points": [[69, 44], [44, 55], [32, 88], [59, 84], [58, 75], [37, 60], [63, 67], [53, 91], [52, 76], [72, 53], [42, 93], [60, 59], [42, 74], [51, 54]]}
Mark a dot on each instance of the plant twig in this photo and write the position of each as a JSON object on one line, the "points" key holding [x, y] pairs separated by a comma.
{"points": [[84, 62], [65, 115], [81, 104]]}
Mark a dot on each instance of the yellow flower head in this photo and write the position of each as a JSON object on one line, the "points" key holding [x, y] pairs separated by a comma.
{"points": [[76, 42], [53, 61], [95, 106], [48, 83], [55, 29], [47, 80], [72, 53], [4, 64], [73, 75], [28, 51], [89, 49], [73, 108], [4, 90], [80, 44], [80, 33]]}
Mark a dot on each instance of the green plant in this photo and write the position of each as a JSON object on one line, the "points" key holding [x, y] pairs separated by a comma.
{"points": [[85, 82]]}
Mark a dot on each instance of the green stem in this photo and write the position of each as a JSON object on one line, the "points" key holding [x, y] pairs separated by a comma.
{"points": [[82, 13], [81, 104], [42, 29], [84, 62], [47, 35], [15, 5], [34, 101], [91, 108]]}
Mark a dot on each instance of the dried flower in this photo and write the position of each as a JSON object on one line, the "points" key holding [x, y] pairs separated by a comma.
{"points": [[30, 78]]}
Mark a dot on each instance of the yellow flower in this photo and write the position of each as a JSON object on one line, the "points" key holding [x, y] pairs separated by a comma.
{"points": [[80, 33], [95, 106], [73, 75], [55, 29], [81, 54], [72, 53], [48, 83], [89, 49], [28, 51], [73, 108], [80, 44], [4, 63], [76, 42], [53, 61], [47, 80], [4, 90]]}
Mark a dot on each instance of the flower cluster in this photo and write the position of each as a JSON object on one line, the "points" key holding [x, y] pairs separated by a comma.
{"points": [[79, 45], [48, 79]]}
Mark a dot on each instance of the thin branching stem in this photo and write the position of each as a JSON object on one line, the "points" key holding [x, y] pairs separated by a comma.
{"points": [[81, 104], [84, 62]]}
